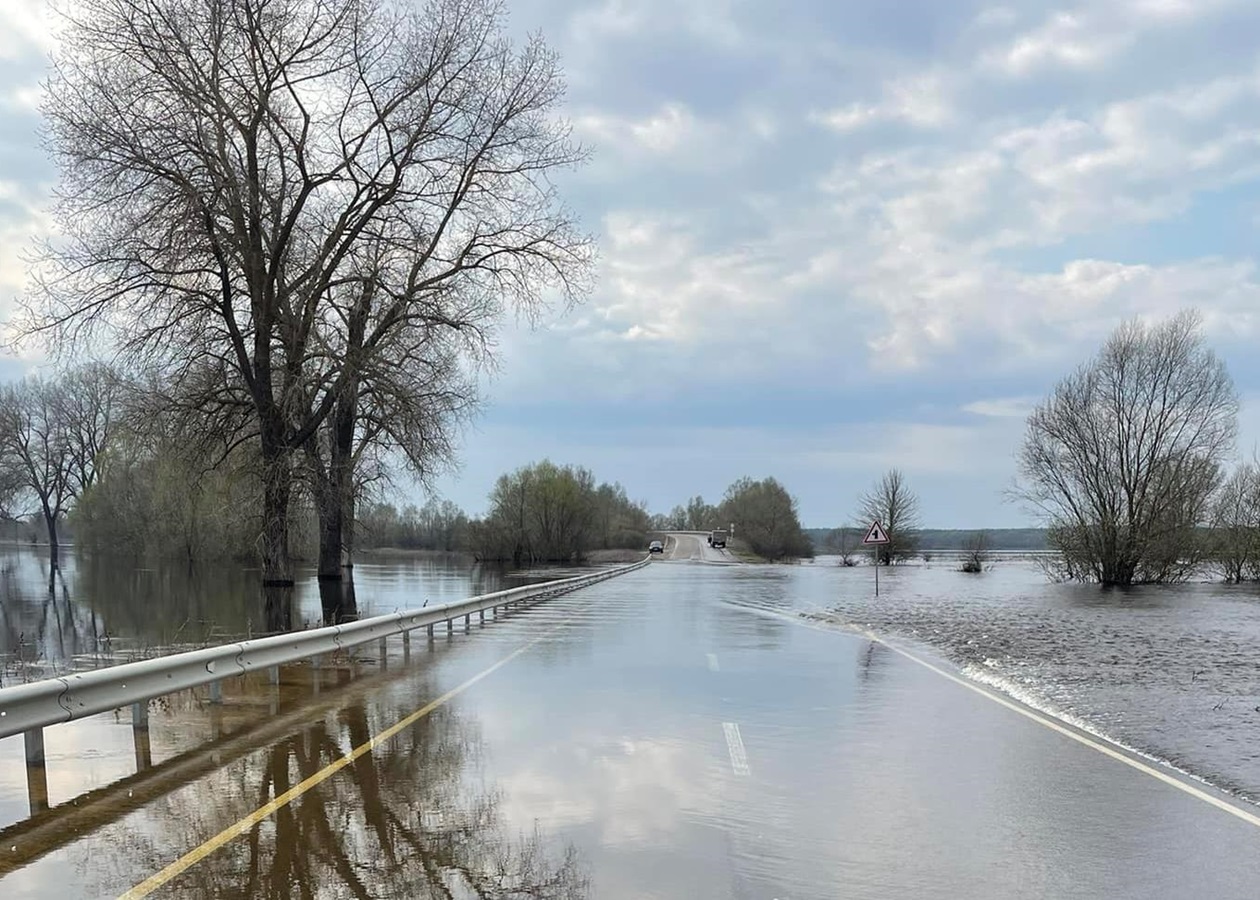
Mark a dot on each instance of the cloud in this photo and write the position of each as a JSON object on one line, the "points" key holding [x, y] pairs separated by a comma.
{"points": [[1002, 407], [26, 31], [1064, 40], [920, 100]]}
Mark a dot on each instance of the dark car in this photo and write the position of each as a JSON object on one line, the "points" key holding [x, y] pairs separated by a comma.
{"points": [[656, 547]]}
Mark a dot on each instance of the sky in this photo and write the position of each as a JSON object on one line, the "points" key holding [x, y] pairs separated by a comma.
{"points": [[838, 236]]}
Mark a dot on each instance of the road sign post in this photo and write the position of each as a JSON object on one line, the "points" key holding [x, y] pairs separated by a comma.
{"points": [[876, 535]]}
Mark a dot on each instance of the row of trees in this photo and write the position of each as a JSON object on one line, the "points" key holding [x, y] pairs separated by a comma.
{"points": [[550, 513]]}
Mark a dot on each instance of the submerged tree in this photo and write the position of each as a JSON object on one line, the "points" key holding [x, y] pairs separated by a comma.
{"points": [[1124, 456], [891, 503], [976, 552], [1235, 521], [765, 517], [290, 193], [53, 433]]}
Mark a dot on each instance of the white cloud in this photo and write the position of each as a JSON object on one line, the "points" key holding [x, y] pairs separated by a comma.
{"points": [[26, 32], [1002, 407], [920, 100], [1065, 40], [672, 136]]}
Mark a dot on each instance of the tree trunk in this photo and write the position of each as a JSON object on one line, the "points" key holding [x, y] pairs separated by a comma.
{"points": [[335, 490], [50, 521], [331, 527], [277, 488]]}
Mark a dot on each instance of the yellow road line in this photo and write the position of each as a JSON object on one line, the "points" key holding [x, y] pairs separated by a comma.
{"points": [[195, 856], [1078, 736]]}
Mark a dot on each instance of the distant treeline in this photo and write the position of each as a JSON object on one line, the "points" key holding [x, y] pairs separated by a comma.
{"points": [[949, 539]]}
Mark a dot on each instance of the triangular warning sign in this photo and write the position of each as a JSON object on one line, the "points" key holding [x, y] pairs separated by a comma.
{"points": [[876, 534]]}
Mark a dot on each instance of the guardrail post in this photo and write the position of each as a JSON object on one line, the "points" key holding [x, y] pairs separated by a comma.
{"points": [[144, 750], [36, 788], [482, 614], [382, 652], [450, 626], [406, 645], [140, 715], [216, 692], [467, 621], [273, 674], [430, 634], [34, 740]]}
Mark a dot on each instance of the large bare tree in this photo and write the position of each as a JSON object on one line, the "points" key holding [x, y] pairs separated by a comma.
{"points": [[896, 507], [233, 171], [1122, 459]]}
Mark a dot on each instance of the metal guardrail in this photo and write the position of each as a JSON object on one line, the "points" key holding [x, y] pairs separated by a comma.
{"points": [[26, 708]]}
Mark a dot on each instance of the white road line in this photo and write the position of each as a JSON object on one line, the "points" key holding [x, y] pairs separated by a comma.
{"points": [[713, 663], [735, 746], [1079, 737]]}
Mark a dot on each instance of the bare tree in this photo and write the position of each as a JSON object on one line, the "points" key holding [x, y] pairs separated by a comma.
{"points": [[844, 542], [891, 503], [289, 193], [1235, 519], [975, 552], [407, 410], [35, 446], [1124, 456]]}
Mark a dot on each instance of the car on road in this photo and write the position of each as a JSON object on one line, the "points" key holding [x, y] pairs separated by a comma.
{"points": [[656, 547]]}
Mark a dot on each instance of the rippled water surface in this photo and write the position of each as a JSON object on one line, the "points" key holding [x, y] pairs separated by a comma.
{"points": [[1172, 671]]}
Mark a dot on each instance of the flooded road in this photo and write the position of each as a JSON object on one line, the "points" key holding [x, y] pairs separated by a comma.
{"points": [[678, 731]]}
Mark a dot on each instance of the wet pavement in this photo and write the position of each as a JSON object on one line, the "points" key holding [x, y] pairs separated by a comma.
{"points": [[663, 734]]}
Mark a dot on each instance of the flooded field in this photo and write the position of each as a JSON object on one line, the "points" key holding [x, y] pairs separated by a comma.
{"points": [[1173, 672]]}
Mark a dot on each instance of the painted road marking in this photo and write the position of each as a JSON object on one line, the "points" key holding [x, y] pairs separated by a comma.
{"points": [[735, 746], [195, 856], [1080, 737], [713, 663]]}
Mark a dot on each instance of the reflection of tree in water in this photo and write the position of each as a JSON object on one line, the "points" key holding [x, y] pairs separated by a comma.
{"points": [[337, 599], [404, 821], [42, 632]]}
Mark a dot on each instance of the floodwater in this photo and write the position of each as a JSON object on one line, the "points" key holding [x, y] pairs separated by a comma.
{"points": [[682, 730], [1170, 671], [99, 611]]}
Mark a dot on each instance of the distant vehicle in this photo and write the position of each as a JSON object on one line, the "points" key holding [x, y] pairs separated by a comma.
{"points": [[718, 538], [656, 547]]}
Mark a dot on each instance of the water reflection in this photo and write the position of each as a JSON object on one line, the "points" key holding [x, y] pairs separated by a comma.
{"points": [[338, 601], [96, 610], [406, 821]]}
